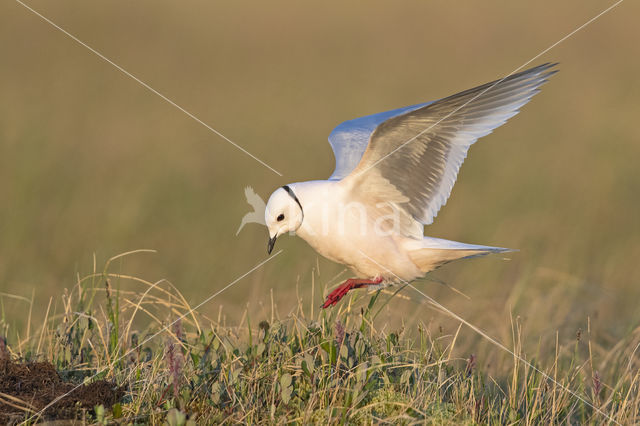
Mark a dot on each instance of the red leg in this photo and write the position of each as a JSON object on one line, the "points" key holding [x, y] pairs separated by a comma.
{"points": [[350, 284]]}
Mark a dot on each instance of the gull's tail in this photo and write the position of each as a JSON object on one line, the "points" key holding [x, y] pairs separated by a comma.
{"points": [[431, 253]]}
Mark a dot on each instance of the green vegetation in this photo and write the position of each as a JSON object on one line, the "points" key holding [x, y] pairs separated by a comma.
{"points": [[336, 366]]}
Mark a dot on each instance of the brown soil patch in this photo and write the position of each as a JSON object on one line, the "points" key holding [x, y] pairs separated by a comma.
{"points": [[26, 388]]}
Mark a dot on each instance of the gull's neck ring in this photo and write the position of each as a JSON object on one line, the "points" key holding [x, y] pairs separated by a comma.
{"points": [[293, 195]]}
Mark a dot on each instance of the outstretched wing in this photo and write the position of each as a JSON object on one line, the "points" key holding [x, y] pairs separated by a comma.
{"points": [[349, 140], [412, 160]]}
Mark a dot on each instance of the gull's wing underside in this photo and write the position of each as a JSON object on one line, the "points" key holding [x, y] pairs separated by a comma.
{"points": [[349, 140]]}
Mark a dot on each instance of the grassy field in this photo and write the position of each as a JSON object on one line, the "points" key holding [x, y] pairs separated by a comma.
{"points": [[92, 164], [339, 365]]}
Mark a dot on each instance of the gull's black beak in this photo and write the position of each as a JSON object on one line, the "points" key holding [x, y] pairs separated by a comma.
{"points": [[272, 242]]}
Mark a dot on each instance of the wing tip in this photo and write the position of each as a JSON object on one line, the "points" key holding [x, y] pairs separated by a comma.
{"points": [[537, 75], [541, 68]]}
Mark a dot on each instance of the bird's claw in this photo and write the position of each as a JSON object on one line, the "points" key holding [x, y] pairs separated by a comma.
{"points": [[336, 295]]}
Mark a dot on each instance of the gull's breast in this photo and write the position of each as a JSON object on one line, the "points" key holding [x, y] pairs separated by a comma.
{"points": [[352, 240]]}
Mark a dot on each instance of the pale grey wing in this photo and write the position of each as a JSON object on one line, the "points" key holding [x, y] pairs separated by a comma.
{"points": [[412, 160], [349, 140]]}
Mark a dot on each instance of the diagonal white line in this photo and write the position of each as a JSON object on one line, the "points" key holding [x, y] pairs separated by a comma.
{"points": [[39, 413], [490, 87], [146, 86], [492, 340]]}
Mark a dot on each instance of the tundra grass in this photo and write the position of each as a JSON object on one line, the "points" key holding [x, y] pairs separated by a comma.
{"points": [[338, 365]]}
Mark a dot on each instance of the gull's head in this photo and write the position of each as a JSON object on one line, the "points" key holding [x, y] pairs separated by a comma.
{"points": [[283, 214]]}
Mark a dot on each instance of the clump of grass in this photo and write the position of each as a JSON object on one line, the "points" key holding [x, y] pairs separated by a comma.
{"points": [[335, 366]]}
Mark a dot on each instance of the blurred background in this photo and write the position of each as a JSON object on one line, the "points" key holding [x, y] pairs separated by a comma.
{"points": [[94, 164]]}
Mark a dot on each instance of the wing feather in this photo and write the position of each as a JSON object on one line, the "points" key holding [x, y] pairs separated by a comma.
{"points": [[412, 159], [349, 140]]}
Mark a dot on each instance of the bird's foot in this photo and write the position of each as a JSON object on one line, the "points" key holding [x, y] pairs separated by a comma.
{"points": [[350, 284]]}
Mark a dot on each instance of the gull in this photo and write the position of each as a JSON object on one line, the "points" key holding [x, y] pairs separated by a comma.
{"points": [[394, 171]]}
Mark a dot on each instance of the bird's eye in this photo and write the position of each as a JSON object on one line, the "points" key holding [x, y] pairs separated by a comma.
{"points": [[280, 217]]}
